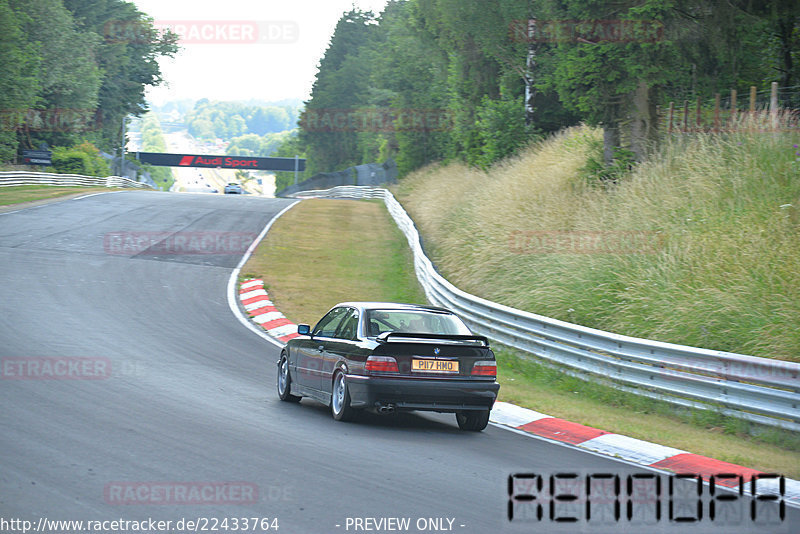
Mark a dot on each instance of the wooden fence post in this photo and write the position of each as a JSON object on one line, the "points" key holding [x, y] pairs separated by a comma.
{"points": [[685, 125], [752, 100], [716, 113], [773, 104], [732, 119], [669, 116], [697, 114]]}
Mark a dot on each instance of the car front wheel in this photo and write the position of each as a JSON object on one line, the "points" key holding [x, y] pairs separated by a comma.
{"points": [[473, 420], [285, 381], [340, 400]]}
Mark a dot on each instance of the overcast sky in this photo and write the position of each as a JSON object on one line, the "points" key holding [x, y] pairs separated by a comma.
{"points": [[242, 49]]}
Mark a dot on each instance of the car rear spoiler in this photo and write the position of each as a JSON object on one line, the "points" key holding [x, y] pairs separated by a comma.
{"points": [[387, 337]]}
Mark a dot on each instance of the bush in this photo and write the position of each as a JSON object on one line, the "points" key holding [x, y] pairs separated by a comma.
{"points": [[69, 161], [501, 129], [596, 172], [83, 158]]}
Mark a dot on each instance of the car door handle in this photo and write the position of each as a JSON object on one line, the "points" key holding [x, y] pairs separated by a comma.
{"points": [[321, 348]]}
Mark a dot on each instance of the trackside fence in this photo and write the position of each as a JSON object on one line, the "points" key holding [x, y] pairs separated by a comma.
{"points": [[10, 178], [761, 390]]}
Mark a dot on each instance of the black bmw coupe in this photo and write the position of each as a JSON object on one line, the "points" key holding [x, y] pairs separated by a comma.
{"points": [[389, 357]]}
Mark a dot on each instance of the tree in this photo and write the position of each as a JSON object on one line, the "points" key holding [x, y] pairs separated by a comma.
{"points": [[607, 63], [289, 148], [19, 84], [409, 72], [623, 58], [226, 120], [338, 91], [438, 78], [128, 56], [501, 129], [780, 20], [607, 76], [263, 120], [68, 77]]}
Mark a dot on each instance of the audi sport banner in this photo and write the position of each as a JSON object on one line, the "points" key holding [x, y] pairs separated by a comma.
{"points": [[37, 157], [223, 162]]}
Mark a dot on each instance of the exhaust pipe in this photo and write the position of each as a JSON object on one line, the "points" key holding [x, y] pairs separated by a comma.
{"points": [[386, 409]]}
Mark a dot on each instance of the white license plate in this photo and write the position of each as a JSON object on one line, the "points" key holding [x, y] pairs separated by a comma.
{"points": [[435, 366]]}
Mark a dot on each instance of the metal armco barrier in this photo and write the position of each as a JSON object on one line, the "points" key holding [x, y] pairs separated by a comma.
{"points": [[761, 390], [369, 174], [10, 178]]}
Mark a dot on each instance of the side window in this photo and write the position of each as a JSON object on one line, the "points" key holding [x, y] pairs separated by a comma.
{"points": [[349, 326], [327, 326]]}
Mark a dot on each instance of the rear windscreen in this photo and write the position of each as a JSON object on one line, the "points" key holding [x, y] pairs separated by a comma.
{"points": [[413, 321]]}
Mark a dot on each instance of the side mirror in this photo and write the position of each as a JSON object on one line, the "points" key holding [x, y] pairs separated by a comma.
{"points": [[303, 329]]}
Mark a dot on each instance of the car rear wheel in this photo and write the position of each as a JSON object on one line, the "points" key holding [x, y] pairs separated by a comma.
{"points": [[473, 420], [340, 400], [285, 381]]}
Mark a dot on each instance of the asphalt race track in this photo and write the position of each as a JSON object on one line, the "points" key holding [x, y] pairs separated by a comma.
{"points": [[169, 396]]}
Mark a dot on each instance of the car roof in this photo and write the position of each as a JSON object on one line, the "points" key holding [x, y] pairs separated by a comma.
{"points": [[363, 306]]}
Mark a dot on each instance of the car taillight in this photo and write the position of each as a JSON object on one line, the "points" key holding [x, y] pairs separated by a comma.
{"points": [[382, 364], [485, 368]]}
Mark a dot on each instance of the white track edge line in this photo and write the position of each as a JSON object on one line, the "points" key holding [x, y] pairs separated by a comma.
{"points": [[94, 194], [232, 294], [56, 201]]}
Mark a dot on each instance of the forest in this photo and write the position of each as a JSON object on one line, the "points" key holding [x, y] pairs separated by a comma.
{"points": [[73, 70], [495, 75], [422, 81], [228, 120]]}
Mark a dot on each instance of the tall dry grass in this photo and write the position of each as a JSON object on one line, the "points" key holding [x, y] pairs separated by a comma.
{"points": [[699, 245]]}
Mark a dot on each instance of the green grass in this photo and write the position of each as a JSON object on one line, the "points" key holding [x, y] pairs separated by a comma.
{"points": [[28, 193], [323, 252], [697, 246]]}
